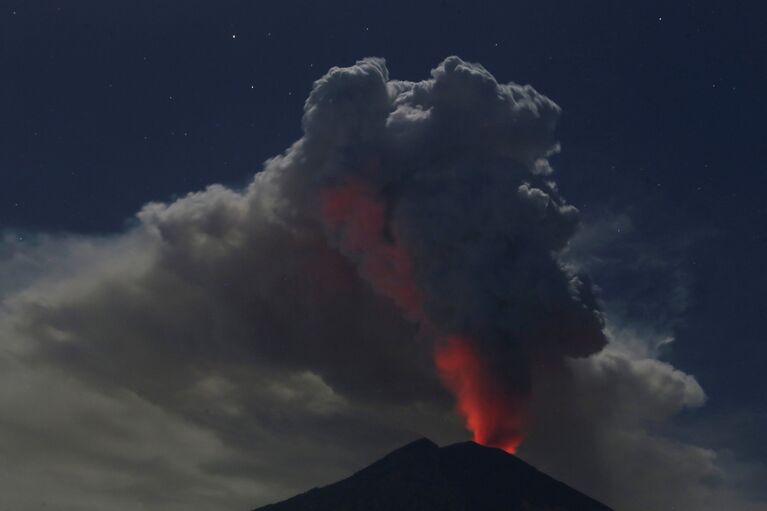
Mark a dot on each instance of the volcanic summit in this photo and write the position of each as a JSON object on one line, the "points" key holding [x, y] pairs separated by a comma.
{"points": [[422, 476]]}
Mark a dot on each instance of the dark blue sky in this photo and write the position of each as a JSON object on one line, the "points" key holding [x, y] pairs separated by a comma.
{"points": [[105, 106]]}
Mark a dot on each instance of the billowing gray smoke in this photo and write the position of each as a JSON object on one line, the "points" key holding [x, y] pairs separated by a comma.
{"points": [[236, 346], [438, 192]]}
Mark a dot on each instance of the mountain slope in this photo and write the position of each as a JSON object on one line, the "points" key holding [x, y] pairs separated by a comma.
{"points": [[461, 477]]}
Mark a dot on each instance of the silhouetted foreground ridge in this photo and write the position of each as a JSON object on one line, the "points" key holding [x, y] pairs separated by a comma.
{"points": [[421, 476]]}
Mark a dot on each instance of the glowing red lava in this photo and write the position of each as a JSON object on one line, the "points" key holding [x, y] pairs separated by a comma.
{"points": [[492, 413]]}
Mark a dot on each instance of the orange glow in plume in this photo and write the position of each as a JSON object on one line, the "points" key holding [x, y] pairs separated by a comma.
{"points": [[361, 218]]}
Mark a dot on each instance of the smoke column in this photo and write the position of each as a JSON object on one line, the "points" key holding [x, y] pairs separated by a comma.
{"points": [[439, 193]]}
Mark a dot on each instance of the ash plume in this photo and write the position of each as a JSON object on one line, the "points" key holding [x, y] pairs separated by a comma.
{"points": [[438, 192]]}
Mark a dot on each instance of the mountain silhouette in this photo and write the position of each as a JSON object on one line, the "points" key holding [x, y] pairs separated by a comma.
{"points": [[422, 476]]}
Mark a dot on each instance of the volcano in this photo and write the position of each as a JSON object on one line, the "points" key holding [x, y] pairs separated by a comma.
{"points": [[422, 476]]}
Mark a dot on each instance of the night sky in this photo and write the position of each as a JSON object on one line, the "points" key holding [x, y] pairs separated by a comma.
{"points": [[107, 107]]}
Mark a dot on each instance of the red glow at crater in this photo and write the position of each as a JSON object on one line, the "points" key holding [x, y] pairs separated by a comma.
{"points": [[492, 413]]}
